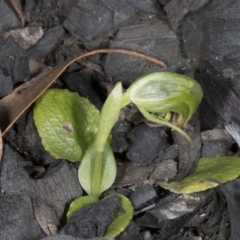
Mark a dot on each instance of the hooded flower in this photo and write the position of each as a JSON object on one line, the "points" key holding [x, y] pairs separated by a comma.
{"points": [[163, 94]]}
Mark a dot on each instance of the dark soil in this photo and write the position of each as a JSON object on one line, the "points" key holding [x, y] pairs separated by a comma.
{"points": [[196, 38]]}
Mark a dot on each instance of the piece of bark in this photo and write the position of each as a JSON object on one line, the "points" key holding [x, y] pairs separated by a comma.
{"points": [[9, 19], [157, 38], [216, 142], [211, 34], [119, 133], [216, 218], [232, 198], [48, 14], [17, 218], [189, 153], [179, 206], [147, 220], [26, 140], [132, 175], [14, 61], [99, 18], [58, 187], [172, 227], [164, 2], [208, 117], [104, 17], [6, 84], [62, 237], [221, 99], [142, 195], [75, 81], [146, 143], [18, 8], [46, 216], [170, 153], [131, 232], [166, 169], [129, 174], [177, 9], [132, 114], [67, 237], [49, 41]]}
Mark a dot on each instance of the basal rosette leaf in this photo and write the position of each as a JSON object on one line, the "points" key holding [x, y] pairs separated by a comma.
{"points": [[80, 203], [106, 174], [207, 174], [123, 218], [66, 122]]}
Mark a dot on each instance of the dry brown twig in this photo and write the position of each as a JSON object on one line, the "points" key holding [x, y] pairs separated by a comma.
{"points": [[16, 103]]}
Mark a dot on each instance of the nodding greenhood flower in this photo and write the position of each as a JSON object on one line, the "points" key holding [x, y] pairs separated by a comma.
{"points": [[165, 98]]}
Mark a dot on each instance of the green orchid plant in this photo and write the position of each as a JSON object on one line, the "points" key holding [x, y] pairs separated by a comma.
{"points": [[72, 128]]}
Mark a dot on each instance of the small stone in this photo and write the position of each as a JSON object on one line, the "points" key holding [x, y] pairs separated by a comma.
{"points": [[216, 142], [77, 82], [131, 232], [119, 136], [26, 37], [17, 217], [146, 143], [9, 19], [47, 43], [94, 21], [177, 9], [181, 205], [171, 152], [167, 169], [14, 61], [153, 38], [142, 195], [147, 220]]}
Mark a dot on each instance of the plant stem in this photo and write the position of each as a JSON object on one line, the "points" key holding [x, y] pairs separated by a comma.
{"points": [[109, 117], [97, 174]]}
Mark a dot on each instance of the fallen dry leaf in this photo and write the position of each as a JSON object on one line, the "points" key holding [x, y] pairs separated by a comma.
{"points": [[13, 105]]}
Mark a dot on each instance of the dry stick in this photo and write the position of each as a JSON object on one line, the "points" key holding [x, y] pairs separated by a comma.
{"points": [[13, 105]]}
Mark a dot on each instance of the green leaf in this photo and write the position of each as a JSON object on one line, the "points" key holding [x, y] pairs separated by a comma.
{"points": [[207, 173], [97, 171], [66, 122], [106, 174], [80, 203], [109, 115], [123, 218]]}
